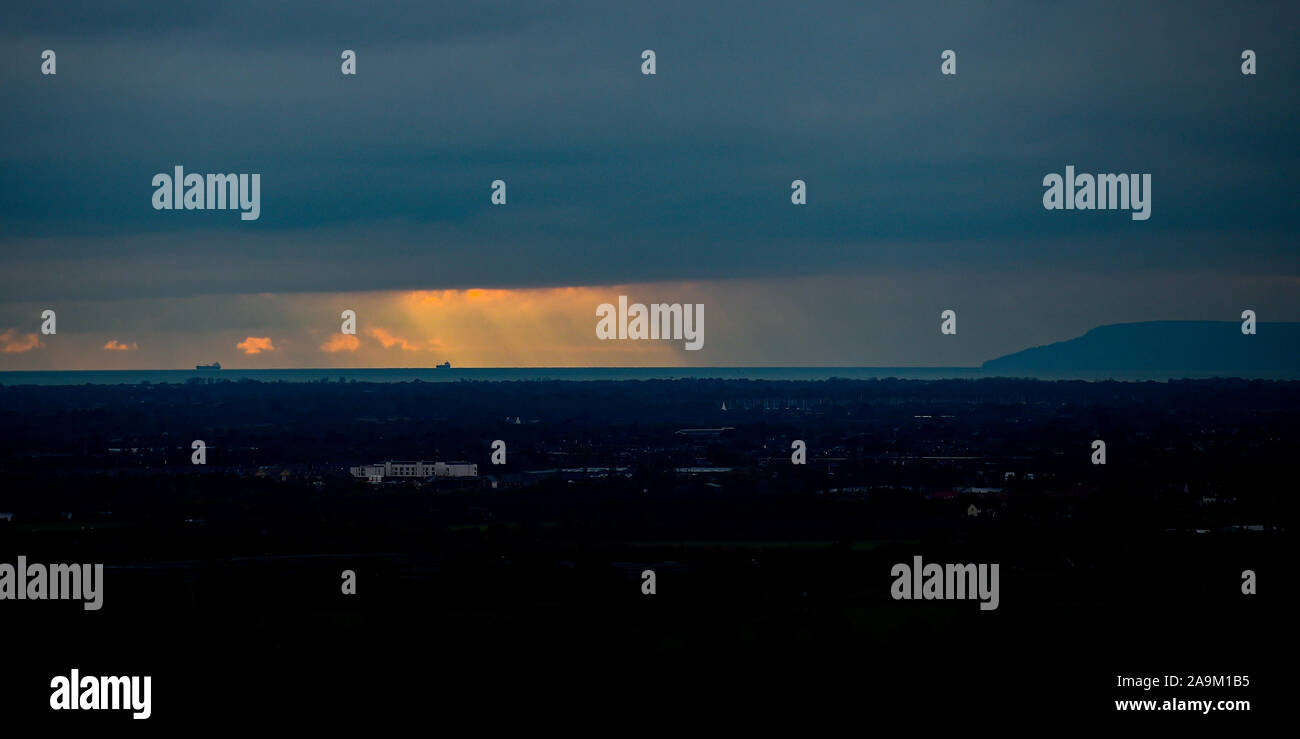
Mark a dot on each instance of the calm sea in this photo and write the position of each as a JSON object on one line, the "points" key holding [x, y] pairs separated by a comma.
{"points": [[499, 374]]}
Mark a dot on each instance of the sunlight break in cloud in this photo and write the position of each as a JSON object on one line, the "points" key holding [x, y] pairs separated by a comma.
{"points": [[341, 343], [389, 341], [256, 345], [12, 342], [114, 345]]}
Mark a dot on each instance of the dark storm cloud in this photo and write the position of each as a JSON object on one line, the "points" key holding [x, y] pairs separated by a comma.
{"points": [[382, 180]]}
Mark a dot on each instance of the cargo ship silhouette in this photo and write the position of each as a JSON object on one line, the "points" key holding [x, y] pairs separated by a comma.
{"points": [[213, 366]]}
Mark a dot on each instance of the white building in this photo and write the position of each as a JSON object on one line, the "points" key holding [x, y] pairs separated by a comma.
{"points": [[414, 470]]}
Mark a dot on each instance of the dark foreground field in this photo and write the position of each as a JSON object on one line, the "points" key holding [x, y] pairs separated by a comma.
{"points": [[522, 603]]}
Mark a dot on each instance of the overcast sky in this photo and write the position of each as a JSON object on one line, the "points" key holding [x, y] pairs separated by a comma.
{"points": [[924, 190]]}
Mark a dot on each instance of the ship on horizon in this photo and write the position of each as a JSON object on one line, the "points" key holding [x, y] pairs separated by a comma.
{"points": [[213, 366]]}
